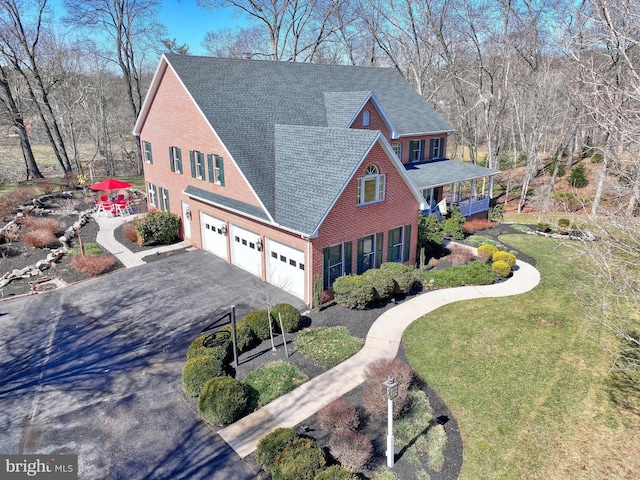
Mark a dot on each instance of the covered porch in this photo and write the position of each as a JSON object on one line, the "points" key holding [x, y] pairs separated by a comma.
{"points": [[449, 182]]}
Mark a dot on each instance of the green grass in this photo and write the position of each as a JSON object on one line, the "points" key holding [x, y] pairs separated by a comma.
{"points": [[523, 377], [89, 249], [328, 346], [272, 380]]}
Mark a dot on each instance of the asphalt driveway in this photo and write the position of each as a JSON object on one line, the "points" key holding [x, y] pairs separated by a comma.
{"points": [[94, 369]]}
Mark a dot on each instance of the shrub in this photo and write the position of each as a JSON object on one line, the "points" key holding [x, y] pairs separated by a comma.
{"points": [[564, 222], [39, 238], [40, 223], [161, 227], [459, 255], [507, 257], [578, 176], [374, 399], [245, 338], [340, 413], [301, 459], [93, 264], [130, 233], [23, 193], [258, 323], [222, 400], [561, 167], [381, 281], [353, 291], [543, 227], [327, 345], [496, 212], [352, 449], [474, 273], [404, 276], [273, 380], [10, 233], [486, 251], [430, 232], [477, 224], [501, 268], [198, 370], [452, 224], [336, 472], [291, 317], [217, 345], [272, 445]]}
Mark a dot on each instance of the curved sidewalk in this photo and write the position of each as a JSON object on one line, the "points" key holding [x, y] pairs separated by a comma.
{"points": [[105, 237], [383, 341]]}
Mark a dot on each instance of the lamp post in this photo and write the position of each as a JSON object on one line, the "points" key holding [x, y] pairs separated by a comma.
{"points": [[391, 391]]}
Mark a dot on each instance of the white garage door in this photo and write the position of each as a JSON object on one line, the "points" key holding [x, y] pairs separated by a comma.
{"points": [[244, 250], [285, 267], [213, 239]]}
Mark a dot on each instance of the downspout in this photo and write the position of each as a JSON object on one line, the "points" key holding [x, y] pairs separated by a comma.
{"points": [[309, 271]]}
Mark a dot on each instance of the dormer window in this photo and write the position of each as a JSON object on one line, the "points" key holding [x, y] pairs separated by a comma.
{"points": [[366, 118], [371, 186]]}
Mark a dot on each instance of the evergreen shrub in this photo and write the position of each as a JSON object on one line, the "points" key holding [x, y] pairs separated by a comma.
{"points": [[216, 345], [302, 459], [404, 276], [353, 291], [245, 337], [381, 281], [272, 445], [222, 400], [258, 323], [291, 317], [161, 227], [501, 268], [486, 251], [198, 370], [336, 472], [507, 257]]}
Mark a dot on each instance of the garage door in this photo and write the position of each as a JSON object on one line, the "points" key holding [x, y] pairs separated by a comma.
{"points": [[213, 238], [244, 250], [285, 267]]}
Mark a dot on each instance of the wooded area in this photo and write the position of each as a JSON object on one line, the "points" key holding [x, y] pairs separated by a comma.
{"points": [[530, 86]]}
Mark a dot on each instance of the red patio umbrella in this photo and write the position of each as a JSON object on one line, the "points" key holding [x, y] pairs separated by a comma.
{"points": [[109, 184]]}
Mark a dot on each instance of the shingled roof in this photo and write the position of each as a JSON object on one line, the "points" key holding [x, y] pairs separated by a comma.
{"points": [[244, 100]]}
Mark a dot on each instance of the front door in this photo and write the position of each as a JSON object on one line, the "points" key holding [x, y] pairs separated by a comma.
{"points": [[186, 221]]}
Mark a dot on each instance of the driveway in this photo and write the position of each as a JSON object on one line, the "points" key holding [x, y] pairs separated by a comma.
{"points": [[94, 369]]}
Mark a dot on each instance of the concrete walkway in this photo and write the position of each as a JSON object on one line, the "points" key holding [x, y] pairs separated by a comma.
{"points": [[383, 341], [106, 238]]}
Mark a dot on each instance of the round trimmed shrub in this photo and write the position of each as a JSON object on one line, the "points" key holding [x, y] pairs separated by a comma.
{"points": [[404, 276], [302, 459], [258, 322], [272, 445], [198, 370], [381, 281], [245, 337], [222, 400], [336, 472], [352, 449], [507, 257], [291, 317], [159, 226], [353, 291], [501, 268], [486, 251], [340, 413], [216, 345]]}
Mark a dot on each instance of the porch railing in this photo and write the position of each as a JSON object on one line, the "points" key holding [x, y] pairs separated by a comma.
{"points": [[471, 206]]}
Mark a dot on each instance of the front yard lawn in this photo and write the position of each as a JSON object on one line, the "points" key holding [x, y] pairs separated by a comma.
{"points": [[527, 380]]}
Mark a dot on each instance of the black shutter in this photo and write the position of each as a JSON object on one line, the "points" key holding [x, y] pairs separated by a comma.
{"points": [[390, 246], [360, 249], [220, 167], [347, 258], [192, 160], [407, 243], [210, 167], [172, 164], [422, 145], [325, 267], [379, 238]]}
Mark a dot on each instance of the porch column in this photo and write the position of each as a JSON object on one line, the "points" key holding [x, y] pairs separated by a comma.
{"points": [[490, 187]]}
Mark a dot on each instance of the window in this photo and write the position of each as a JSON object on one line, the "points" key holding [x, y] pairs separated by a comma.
{"points": [[146, 148], [369, 252], [416, 150], [336, 262], [371, 186], [215, 166], [197, 164], [398, 249], [164, 199], [397, 148], [435, 148], [152, 193], [366, 118], [175, 159]]}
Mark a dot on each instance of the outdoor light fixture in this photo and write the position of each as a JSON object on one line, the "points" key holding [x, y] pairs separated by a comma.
{"points": [[223, 229], [259, 244], [187, 214], [391, 391]]}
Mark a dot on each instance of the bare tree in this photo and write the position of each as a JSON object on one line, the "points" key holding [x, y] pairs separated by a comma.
{"points": [[128, 33]]}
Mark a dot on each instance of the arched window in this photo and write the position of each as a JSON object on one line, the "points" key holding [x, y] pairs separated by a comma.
{"points": [[366, 118], [371, 186]]}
